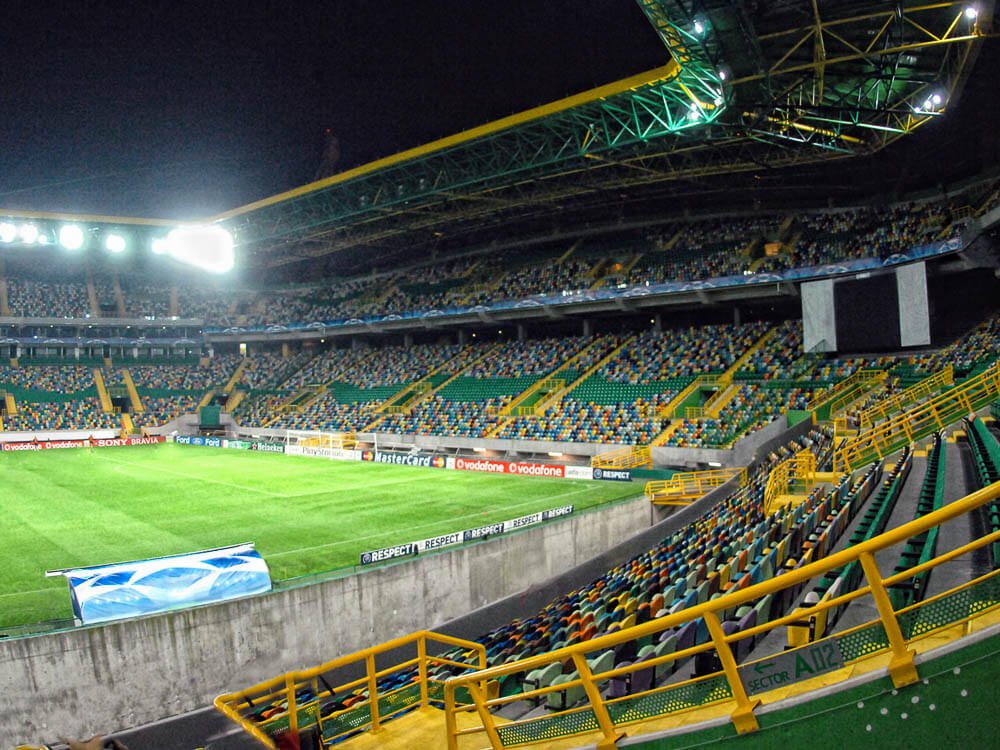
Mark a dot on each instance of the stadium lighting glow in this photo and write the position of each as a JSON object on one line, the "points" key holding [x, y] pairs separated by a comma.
{"points": [[114, 243], [971, 13], [699, 27], [28, 233], [936, 99], [71, 237], [43, 240], [159, 246], [209, 248], [8, 232]]}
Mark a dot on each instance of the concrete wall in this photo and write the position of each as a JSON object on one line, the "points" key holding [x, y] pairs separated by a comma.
{"points": [[107, 678]]}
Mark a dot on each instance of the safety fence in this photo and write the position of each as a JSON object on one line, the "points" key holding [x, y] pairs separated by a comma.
{"points": [[684, 488], [627, 457], [307, 704], [919, 421], [735, 685]]}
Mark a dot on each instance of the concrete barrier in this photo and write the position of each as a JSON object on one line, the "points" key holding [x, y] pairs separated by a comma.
{"points": [[102, 679]]}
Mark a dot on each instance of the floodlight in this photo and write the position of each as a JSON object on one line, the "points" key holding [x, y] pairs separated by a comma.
{"points": [[699, 27], [971, 13], [209, 248], [114, 243], [71, 237], [43, 239], [8, 232], [936, 99], [160, 246], [28, 233]]}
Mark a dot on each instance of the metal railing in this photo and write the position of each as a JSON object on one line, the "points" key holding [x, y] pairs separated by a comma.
{"points": [[685, 487], [845, 387], [626, 457], [892, 632], [911, 395], [793, 476], [919, 421], [370, 703]]}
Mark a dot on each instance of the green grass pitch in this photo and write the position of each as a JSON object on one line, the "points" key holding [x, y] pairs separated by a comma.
{"points": [[71, 508]]}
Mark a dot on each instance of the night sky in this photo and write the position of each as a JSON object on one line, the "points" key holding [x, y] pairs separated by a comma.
{"points": [[182, 110]]}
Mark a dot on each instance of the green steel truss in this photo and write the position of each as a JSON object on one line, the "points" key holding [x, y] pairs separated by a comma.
{"points": [[530, 147], [858, 82], [790, 85]]}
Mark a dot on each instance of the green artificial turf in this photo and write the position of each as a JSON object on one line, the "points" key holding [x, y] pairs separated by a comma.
{"points": [[70, 508]]}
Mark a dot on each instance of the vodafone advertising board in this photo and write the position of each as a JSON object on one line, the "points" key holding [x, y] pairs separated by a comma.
{"points": [[516, 468], [48, 445]]}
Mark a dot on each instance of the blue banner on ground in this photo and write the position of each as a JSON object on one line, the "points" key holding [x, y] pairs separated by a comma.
{"points": [[110, 592]]}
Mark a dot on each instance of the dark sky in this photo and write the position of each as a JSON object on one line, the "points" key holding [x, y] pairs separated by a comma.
{"points": [[181, 110]]}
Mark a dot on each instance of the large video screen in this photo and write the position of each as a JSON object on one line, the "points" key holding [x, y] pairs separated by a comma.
{"points": [[867, 314]]}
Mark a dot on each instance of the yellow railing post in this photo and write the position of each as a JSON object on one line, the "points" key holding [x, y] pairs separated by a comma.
{"points": [[422, 667], [489, 725], [372, 691], [450, 724], [596, 703], [293, 709], [743, 717], [901, 666]]}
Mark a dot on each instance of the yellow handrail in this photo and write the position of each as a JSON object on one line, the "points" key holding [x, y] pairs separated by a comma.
{"points": [[910, 395], [626, 457], [799, 470], [684, 487], [845, 385], [919, 421], [902, 669], [670, 409], [284, 688]]}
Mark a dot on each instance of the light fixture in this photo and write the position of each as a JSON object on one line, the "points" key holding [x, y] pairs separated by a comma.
{"points": [[208, 247], [8, 232], [971, 13], [114, 243], [28, 233], [699, 27], [71, 237]]}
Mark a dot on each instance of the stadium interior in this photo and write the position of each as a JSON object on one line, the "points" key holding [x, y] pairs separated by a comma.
{"points": [[760, 284]]}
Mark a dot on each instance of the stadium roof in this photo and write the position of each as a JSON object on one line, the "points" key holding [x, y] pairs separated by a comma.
{"points": [[744, 87], [756, 103]]}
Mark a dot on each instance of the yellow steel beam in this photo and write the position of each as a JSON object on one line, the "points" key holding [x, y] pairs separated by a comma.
{"points": [[663, 73]]}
